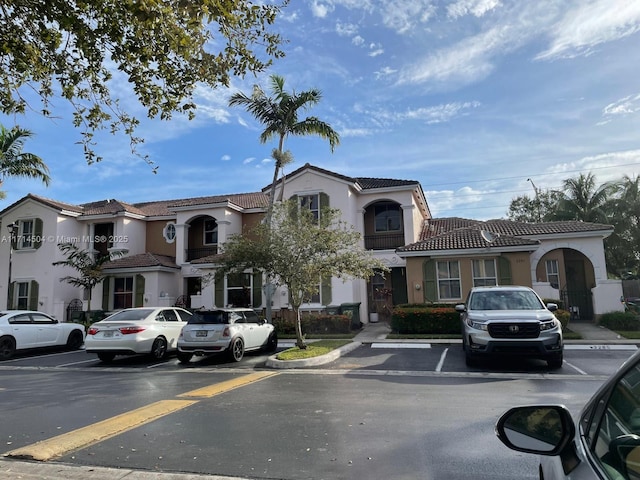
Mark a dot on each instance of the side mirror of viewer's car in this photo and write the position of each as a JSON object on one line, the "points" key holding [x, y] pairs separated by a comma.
{"points": [[539, 429]]}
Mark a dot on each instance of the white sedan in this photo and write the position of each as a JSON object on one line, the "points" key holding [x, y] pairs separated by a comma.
{"points": [[25, 329], [148, 330], [230, 330]]}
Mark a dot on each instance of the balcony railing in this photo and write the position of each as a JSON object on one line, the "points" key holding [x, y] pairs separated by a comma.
{"points": [[383, 242], [200, 252]]}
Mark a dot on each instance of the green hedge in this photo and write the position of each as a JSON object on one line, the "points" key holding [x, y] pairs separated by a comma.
{"points": [[412, 319], [620, 321], [314, 324]]}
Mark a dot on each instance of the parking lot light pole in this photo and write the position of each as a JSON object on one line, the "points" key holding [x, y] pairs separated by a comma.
{"points": [[13, 230]]}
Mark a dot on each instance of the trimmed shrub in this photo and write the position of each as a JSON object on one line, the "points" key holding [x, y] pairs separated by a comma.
{"points": [[620, 321], [564, 316], [314, 324], [425, 320]]}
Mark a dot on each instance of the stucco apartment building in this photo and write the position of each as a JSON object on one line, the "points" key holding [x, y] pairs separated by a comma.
{"points": [[168, 246]]}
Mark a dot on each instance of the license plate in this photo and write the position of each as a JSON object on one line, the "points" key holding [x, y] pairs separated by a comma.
{"points": [[108, 334], [201, 333]]}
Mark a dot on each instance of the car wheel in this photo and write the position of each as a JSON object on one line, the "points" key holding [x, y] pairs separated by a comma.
{"points": [[74, 342], [184, 357], [555, 362], [236, 350], [159, 348], [106, 357], [272, 342], [469, 359], [7, 347]]}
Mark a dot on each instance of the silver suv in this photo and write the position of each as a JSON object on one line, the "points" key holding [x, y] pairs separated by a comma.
{"points": [[510, 320]]}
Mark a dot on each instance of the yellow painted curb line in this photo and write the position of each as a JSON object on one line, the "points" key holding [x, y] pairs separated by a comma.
{"points": [[97, 432], [218, 388]]}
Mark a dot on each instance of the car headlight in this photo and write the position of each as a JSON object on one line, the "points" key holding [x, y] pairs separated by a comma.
{"points": [[476, 325], [549, 325]]}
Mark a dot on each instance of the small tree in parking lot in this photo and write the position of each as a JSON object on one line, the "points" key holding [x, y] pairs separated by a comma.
{"points": [[298, 251]]}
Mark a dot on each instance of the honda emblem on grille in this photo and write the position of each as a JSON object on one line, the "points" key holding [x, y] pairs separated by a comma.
{"points": [[514, 328]]}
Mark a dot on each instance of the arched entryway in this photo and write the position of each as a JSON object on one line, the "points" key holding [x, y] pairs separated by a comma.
{"points": [[571, 273]]}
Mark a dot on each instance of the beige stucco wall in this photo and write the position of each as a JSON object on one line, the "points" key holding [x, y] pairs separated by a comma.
{"points": [[520, 273], [155, 241]]}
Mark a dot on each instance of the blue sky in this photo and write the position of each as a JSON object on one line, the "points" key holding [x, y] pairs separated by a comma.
{"points": [[470, 97]]}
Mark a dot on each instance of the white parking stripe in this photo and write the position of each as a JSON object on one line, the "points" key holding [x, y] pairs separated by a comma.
{"points": [[441, 362], [603, 346], [580, 371], [400, 345]]}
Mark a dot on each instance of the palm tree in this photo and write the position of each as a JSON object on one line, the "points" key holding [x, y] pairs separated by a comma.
{"points": [[623, 245], [88, 266], [584, 202], [16, 163], [279, 114]]}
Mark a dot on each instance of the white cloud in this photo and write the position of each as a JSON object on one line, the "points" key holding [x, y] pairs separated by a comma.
{"points": [[225, 158], [476, 8], [440, 113], [384, 72], [591, 24], [320, 9], [248, 160], [346, 29], [376, 52], [465, 62], [403, 15], [625, 106], [357, 40]]}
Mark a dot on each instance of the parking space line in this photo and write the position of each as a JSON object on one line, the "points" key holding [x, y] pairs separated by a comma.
{"points": [[400, 345], [580, 371], [83, 437], [441, 362]]}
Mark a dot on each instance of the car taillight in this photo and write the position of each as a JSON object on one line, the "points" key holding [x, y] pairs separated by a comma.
{"points": [[226, 332], [130, 330], [92, 331]]}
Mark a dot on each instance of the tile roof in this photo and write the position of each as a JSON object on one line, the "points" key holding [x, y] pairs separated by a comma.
{"points": [[465, 238], [109, 206], [142, 260], [243, 200], [365, 183], [456, 233]]}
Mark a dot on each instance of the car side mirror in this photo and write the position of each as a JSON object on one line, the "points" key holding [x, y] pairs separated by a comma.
{"points": [[539, 429], [461, 307], [552, 307]]}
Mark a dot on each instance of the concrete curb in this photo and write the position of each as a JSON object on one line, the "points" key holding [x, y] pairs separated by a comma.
{"points": [[273, 362]]}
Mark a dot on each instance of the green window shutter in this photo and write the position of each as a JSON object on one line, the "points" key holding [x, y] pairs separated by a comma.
{"points": [[139, 296], [37, 233], [504, 271], [430, 290], [257, 290], [12, 286], [219, 292], [33, 295], [106, 294], [325, 293]]}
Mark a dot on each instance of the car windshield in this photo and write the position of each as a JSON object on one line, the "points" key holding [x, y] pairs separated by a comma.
{"points": [[214, 317], [505, 300], [131, 315]]}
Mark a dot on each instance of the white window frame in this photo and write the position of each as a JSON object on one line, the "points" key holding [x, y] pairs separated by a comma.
{"points": [[131, 292], [21, 295], [211, 231], [169, 232], [25, 235], [388, 206], [307, 200], [553, 272], [481, 278], [449, 279]]}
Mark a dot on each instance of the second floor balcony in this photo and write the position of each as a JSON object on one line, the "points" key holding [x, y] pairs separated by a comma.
{"points": [[200, 252], [384, 241]]}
